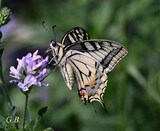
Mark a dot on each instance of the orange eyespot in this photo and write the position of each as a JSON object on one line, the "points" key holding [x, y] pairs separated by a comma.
{"points": [[83, 94]]}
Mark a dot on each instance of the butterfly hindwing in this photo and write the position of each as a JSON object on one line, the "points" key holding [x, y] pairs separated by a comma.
{"points": [[67, 74], [90, 75]]}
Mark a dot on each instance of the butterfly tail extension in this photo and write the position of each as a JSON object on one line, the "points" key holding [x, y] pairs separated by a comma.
{"points": [[104, 106], [102, 103]]}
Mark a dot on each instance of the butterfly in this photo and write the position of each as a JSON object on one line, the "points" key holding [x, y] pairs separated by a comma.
{"points": [[87, 60]]}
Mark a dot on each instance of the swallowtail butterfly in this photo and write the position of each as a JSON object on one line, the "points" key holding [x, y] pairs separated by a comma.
{"points": [[87, 60]]}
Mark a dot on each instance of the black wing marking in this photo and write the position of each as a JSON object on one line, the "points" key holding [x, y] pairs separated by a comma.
{"points": [[74, 35]]}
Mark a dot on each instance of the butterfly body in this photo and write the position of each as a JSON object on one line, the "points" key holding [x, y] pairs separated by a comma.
{"points": [[87, 60]]}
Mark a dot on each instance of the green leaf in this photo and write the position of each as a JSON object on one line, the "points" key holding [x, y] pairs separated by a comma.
{"points": [[32, 124], [3, 123], [42, 111], [40, 114], [12, 129], [13, 111], [48, 129]]}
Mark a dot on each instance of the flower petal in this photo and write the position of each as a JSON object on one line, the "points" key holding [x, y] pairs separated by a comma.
{"points": [[14, 73], [42, 74]]}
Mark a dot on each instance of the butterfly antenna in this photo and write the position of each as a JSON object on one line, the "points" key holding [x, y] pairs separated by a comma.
{"points": [[43, 24], [53, 29]]}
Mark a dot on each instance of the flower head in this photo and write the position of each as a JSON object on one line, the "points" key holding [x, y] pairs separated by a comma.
{"points": [[4, 15], [31, 70]]}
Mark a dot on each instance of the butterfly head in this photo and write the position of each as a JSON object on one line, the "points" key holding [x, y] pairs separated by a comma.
{"points": [[55, 52]]}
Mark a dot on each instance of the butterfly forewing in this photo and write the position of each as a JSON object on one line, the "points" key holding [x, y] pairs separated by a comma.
{"points": [[107, 53], [74, 35]]}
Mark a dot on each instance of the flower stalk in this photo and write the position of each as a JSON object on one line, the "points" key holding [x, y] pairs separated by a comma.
{"points": [[2, 82], [25, 110]]}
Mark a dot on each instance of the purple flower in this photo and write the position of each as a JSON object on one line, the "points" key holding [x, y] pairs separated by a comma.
{"points": [[31, 70]]}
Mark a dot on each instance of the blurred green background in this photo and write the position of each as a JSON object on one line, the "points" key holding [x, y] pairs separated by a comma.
{"points": [[133, 93]]}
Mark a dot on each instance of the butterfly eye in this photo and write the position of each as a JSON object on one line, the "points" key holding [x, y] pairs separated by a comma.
{"points": [[53, 43]]}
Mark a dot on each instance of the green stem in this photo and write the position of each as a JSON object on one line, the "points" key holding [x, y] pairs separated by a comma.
{"points": [[6, 94], [0, 3], [25, 110], [2, 82]]}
